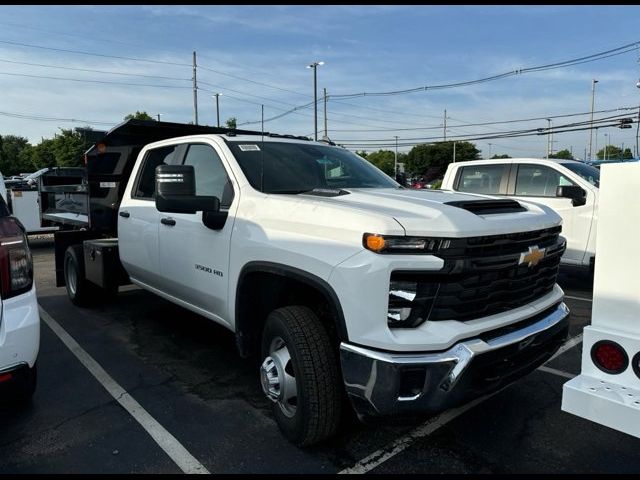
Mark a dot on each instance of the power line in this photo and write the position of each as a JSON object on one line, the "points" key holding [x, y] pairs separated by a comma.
{"points": [[482, 136], [91, 81], [79, 52], [92, 70], [28, 116], [244, 79], [486, 123], [566, 63]]}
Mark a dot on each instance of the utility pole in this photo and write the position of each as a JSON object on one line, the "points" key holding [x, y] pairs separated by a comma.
{"points": [[195, 91], [548, 137], [454, 151], [638, 133], [326, 135], [445, 125], [593, 96], [395, 163], [489, 150], [217, 107], [159, 116]]}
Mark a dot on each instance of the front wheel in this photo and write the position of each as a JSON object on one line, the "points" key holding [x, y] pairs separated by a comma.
{"points": [[300, 375]]}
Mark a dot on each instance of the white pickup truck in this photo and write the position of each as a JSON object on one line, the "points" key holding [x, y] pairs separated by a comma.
{"points": [[342, 282], [571, 188]]}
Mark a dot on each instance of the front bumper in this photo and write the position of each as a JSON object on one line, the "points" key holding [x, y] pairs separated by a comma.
{"points": [[384, 383]]}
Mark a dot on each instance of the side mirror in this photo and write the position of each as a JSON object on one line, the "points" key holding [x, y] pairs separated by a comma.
{"points": [[577, 195], [176, 191]]}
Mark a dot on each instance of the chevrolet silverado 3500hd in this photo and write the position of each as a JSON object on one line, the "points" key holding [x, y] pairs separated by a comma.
{"points": [[339, 279]]}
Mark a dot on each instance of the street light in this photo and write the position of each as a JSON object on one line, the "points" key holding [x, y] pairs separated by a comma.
{"points": [[593, 95], [606, 142], [216, 95], [314, 65]]}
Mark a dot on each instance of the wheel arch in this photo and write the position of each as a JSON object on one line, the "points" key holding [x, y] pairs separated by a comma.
{"points": [[278, 285]]}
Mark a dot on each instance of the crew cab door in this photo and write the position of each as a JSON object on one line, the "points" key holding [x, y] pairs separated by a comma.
{"points": [[139, 220], [538, 183], [194, 259]]}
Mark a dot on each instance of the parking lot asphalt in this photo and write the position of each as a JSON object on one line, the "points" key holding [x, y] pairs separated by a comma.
{"points": [[185, 373]]}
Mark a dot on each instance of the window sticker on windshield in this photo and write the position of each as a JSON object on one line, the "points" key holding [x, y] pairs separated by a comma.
{"points": [[249, 148]]}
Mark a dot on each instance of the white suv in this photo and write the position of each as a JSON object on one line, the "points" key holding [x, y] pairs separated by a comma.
{"points": [[569, 187], [19, 318]]}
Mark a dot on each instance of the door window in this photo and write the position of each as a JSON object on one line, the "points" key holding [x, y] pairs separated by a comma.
{"points": [[146, 184], [539, 181], [481, 179], [211, 177]]}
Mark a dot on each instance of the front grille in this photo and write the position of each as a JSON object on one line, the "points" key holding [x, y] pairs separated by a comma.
{"points": [[482, 275]]}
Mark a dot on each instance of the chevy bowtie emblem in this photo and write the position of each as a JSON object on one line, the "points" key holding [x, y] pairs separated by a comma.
{"points": [[532, 257]]}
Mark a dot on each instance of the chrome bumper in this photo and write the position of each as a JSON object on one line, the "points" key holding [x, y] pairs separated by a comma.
{"points": [[384, 383]]}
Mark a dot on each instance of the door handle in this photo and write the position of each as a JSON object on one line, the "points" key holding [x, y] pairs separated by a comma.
{"points": [[124, 214], [168, 221]]}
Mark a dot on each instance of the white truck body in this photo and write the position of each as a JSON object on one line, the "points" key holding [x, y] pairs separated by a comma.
{"points": [[337, 277], [536, 180], [613, 398]]}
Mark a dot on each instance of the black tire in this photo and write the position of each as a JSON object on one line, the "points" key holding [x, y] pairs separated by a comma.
{"points": [[317, 376], [81, 292]]}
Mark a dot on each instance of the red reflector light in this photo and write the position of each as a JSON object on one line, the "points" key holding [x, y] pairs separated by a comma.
{"points": [[5, 377], [609, 357]]}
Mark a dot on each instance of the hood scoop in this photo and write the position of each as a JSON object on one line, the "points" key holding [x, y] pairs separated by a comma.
{"points": [[488, 207]]}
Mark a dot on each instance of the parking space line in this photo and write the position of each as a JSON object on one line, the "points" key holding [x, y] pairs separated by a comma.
{"points": [[167, 442], [556, 372], [399, 445], [568, 345], [380, 456], [583, 299]]}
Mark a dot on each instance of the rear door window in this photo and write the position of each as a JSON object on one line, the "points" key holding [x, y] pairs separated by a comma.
{"points": [[481, 179], [146, 182]]}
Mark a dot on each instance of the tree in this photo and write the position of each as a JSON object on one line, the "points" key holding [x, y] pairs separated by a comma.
{"points": [[14, 155], [65, 149], [431, 160], [498, 157], [563, 154], [362, 153], [611, 152], [385, 160], [627, 155], [231, 123], [139, 116]]}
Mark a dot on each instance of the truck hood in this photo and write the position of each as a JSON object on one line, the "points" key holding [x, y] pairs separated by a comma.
{"points": [[426, 213]]}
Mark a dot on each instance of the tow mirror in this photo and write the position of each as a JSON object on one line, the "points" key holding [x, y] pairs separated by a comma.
{"points": [[176, 191], [577, 195]]}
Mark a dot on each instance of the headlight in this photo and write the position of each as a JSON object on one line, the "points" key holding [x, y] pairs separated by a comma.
{"points": [[397, 244], [410, 301]]}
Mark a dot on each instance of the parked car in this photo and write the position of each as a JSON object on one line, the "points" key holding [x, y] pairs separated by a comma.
{"points": [[19, 318], [339, 280], [567, 186], [598, 163]]}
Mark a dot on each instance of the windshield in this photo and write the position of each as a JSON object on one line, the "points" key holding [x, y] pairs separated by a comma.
{"points": [[589, 173], [297, 167]]}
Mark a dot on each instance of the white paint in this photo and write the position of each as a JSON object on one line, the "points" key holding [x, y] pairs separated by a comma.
{"points": [[167, 442], [554, 371], [582, 299]]}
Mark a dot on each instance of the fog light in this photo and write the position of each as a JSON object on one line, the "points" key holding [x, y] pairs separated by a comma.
{"points": [[609, 357], [410, 301]]}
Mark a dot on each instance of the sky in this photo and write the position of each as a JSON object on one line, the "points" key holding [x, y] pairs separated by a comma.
{"points": [[256, 55]]}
